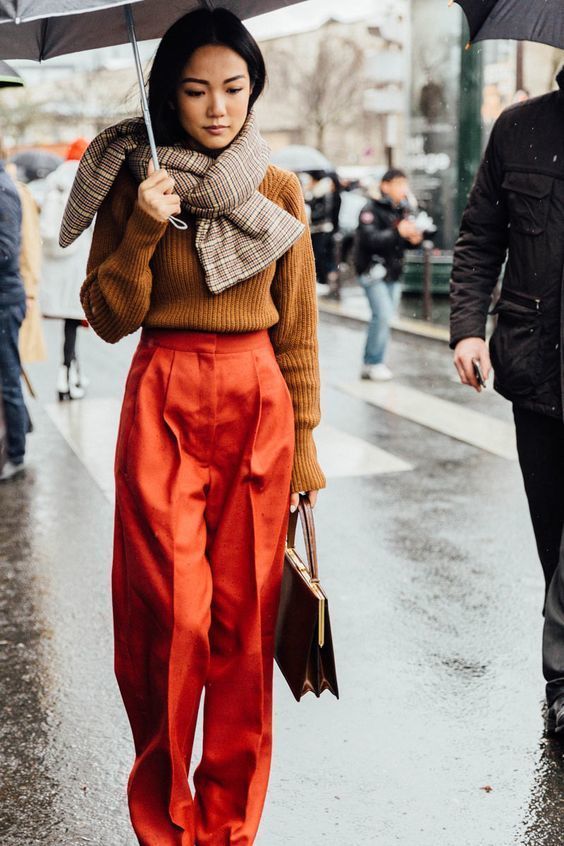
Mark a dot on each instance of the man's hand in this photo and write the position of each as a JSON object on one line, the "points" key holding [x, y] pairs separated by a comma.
{"points": [[467, 351], [409, 232], [156, 195]]}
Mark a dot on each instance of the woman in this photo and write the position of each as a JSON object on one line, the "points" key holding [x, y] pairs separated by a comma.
{"points": [[324, 200], [211, 442], [31, 341], [63, 271]]}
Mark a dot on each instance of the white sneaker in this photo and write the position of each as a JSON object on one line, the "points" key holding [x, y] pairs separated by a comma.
{"points": [[67, 383], [79, 379], [376, 372], [10, 469]]}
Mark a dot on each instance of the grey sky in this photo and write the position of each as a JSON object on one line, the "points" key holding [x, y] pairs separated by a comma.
{"points": [[312, 14]]}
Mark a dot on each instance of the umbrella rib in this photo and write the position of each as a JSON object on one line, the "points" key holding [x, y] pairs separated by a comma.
{"points": [[44, 25]]}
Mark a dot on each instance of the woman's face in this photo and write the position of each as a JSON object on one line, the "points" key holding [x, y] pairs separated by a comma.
{"points": [[212, 98]]}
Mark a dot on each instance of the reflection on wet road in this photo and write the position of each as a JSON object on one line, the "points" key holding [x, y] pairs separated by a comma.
{"points": [[429, 562]]}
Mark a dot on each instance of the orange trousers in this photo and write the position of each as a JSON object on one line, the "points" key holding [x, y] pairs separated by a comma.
{"points": [[203, 468]]}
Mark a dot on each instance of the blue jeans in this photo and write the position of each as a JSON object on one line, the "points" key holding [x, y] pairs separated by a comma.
{"points": [[15, 413], [384, 298]]}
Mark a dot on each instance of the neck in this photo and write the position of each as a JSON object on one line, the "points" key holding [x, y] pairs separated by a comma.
{"points": [[199, 148]]}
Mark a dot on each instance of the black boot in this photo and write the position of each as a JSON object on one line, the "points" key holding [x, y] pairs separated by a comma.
{"points": [[555, 717]]}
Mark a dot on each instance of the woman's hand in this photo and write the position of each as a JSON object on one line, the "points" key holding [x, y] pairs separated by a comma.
{"points": [[295, 500], [156, 195]]}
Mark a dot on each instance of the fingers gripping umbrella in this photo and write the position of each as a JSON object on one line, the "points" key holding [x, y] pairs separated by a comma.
{"points": [[41, 29], [536, 20]]}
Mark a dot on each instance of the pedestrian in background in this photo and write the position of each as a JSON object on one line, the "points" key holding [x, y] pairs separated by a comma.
{"points": [[384, 233], [516, 210], [12, 313], [323, 196], [216, 427], [64, 272], [32, 342]]}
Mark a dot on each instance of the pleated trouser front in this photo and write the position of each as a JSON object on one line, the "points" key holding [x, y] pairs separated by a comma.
{"points": [[203, 468]]}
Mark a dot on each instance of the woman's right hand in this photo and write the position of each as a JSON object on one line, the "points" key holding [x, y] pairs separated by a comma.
{"points": [[156, 195]]}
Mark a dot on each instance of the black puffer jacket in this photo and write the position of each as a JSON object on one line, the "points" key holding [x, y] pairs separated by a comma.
{"points": [[378, 239], [517, 205]]}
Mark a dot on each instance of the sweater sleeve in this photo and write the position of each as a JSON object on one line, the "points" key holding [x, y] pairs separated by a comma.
{"points": [[294, 339], [116, 293]]}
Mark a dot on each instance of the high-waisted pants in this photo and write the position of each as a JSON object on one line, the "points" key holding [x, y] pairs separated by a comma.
{"points": [[203, 466]]}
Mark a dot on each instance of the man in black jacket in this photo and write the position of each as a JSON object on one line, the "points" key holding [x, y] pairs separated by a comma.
{"points": [[383, 235], [12, 313], [516, 210]]}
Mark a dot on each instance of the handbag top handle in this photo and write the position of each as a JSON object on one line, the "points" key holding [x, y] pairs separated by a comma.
{"points": [[305, 513]]}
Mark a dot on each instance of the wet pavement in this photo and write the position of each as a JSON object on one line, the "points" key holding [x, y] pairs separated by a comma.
{"points": [[435, 596]]}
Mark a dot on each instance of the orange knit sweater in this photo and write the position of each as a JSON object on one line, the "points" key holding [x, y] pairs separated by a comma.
{"points": [[145, 273]]}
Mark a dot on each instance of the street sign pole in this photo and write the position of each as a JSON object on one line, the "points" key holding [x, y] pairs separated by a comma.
{"points": [[469, 118]]}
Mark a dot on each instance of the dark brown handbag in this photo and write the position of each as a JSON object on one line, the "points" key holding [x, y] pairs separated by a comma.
{"points": [[304, 645]]}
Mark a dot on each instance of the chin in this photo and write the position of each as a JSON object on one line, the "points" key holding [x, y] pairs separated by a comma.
{"points": [[212, 145]]}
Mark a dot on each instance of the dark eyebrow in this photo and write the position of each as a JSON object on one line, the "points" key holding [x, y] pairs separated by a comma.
{"points": [[206, 82]]}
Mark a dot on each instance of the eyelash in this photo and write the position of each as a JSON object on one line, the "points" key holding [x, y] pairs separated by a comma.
{"points": [[201, 93]]}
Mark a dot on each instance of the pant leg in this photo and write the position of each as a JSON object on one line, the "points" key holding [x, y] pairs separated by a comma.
{"points": [[162, 585], [540, 443], [69, 346], [382, 307], [246, 515], [319, 244], [11, 318], [394, 291]]}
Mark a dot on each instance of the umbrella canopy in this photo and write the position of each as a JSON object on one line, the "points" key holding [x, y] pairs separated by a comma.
{"points": [[9, 77], [35, 164], [41, 29], [301, 159], [536, 20]]}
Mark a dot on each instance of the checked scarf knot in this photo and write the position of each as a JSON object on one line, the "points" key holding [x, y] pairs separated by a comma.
{"points": [[239, 231]]}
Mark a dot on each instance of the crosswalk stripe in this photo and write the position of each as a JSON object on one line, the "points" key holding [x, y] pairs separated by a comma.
{"points": [[342, 454], [90, 428], [448, 418]]}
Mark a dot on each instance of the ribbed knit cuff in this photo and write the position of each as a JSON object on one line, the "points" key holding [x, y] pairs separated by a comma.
{"points": [[306, 474], [144, 230]]}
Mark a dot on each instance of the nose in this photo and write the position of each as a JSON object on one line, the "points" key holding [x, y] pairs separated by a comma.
{"points": [[216, 107]]}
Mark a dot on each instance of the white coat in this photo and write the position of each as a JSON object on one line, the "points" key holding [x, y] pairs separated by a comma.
{"points": [[64, 270]]}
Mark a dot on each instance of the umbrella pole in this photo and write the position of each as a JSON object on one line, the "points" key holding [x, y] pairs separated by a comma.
{"points": [[128, 11]]}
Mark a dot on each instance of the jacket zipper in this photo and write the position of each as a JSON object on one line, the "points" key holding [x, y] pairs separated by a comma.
{"points": [[520, 299]]}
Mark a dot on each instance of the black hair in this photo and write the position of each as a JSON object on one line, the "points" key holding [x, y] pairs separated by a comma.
{"points": [[318, 175], [192, 31], [393, 173]]}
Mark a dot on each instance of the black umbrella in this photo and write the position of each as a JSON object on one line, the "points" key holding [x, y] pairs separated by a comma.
{"points": [[535, 20], [41, 29], [9, 77], [35, 164]]}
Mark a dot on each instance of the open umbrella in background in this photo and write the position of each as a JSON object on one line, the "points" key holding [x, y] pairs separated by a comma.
{"points": [[301, 159], [35, 164], [41, 29], [9, 77], [534, 20]]}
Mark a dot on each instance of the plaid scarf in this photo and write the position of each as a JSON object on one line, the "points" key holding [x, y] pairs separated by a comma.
{"points": [[239, 231]]}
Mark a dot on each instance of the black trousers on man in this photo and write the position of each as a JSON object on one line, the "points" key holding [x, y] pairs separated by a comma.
{"points": [[540, 444]]}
